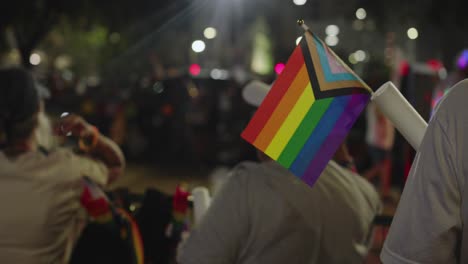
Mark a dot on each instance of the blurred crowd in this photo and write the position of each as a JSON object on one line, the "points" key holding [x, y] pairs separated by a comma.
{"points": [[195, 122]]}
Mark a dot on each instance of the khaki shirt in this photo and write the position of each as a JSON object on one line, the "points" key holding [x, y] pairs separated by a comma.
{"points": [[40, 204], [264, 214]]}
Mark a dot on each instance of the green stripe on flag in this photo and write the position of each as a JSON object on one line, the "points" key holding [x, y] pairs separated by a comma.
{"points": [[303, 132]]}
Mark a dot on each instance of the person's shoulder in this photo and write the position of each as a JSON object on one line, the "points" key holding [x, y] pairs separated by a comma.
{"points": [[246, 165], [64, 158], [250, 173], [61, 153], [460, 88], [339, 177], [456, 97], [451, 109], [50, 166], [245, 169]]}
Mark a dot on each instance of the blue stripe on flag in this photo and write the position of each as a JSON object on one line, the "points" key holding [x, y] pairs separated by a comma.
{"points": [[318, 136]]}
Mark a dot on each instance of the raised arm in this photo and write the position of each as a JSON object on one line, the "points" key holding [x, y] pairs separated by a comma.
{"points": [[94, 143]]}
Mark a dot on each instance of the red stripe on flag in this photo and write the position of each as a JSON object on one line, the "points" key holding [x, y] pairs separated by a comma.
{"points": [[281, 85], [283, 109]]}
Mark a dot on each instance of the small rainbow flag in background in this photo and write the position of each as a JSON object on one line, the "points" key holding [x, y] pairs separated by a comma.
{"points": [[309, 110]]}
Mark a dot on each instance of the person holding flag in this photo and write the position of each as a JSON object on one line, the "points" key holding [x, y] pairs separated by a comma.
{"points": [[280, 210], [265, 214]]}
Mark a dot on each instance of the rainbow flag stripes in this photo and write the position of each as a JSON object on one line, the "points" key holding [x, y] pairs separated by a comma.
{"points": [[309, 110]]}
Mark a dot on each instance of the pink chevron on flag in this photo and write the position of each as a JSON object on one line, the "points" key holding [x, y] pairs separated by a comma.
{"points": [[334, 65]]}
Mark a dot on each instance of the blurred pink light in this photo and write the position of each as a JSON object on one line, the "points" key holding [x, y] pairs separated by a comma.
{"points": [[195, 69], [279, 67]]}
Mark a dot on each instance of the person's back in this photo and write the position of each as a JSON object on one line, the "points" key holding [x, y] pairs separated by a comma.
{"points": [[39, 191], [39, 196], [264, 214], [428, 226]]}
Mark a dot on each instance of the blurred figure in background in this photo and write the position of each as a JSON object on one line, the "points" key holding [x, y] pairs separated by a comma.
{"points": [[44, 134], [265, 214], [380, 136], [40, 190]]}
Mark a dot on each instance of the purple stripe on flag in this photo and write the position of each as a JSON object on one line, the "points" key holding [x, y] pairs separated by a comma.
{"points": [[319, 135], [335, 138]]}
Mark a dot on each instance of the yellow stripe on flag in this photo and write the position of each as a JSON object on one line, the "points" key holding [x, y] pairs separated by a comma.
{"points": [[282, 110], [291, 123]]}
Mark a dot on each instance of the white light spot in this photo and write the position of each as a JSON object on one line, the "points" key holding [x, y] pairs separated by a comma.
{"points": [[299, 2], [361, 13], [215, 74], [218, 74], [210, 33], [198, 46], [412, 33], [360, 55], [35, 59], [332, 40], [332, 30]]}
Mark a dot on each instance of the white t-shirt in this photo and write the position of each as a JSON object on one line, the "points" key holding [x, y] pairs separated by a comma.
{"points": [[428, 226], [264, 214], [40, 204]]}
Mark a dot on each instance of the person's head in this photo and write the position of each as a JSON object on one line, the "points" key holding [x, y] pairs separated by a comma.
{"points": [[19, 105], [253, 93]]}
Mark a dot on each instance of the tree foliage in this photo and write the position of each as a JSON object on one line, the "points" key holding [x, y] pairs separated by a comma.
{"points": [[31, 21]]}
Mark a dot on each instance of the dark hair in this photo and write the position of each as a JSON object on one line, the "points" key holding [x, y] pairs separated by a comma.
{"points": [[19, 103]]}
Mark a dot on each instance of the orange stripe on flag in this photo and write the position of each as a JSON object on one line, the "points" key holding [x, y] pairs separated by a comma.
{"points": [[263, 113], [283, 109]]}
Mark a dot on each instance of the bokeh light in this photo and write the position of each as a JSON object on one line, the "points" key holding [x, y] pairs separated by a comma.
{"points": [[219, 74], [299, 2], [332, 40], [412, 33], [279, 67], [198, 46], [360, 55], [361, 13], [462, 61], [35, 59], [332, 30], [352, 58], [210, 33], [194, 69]]}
